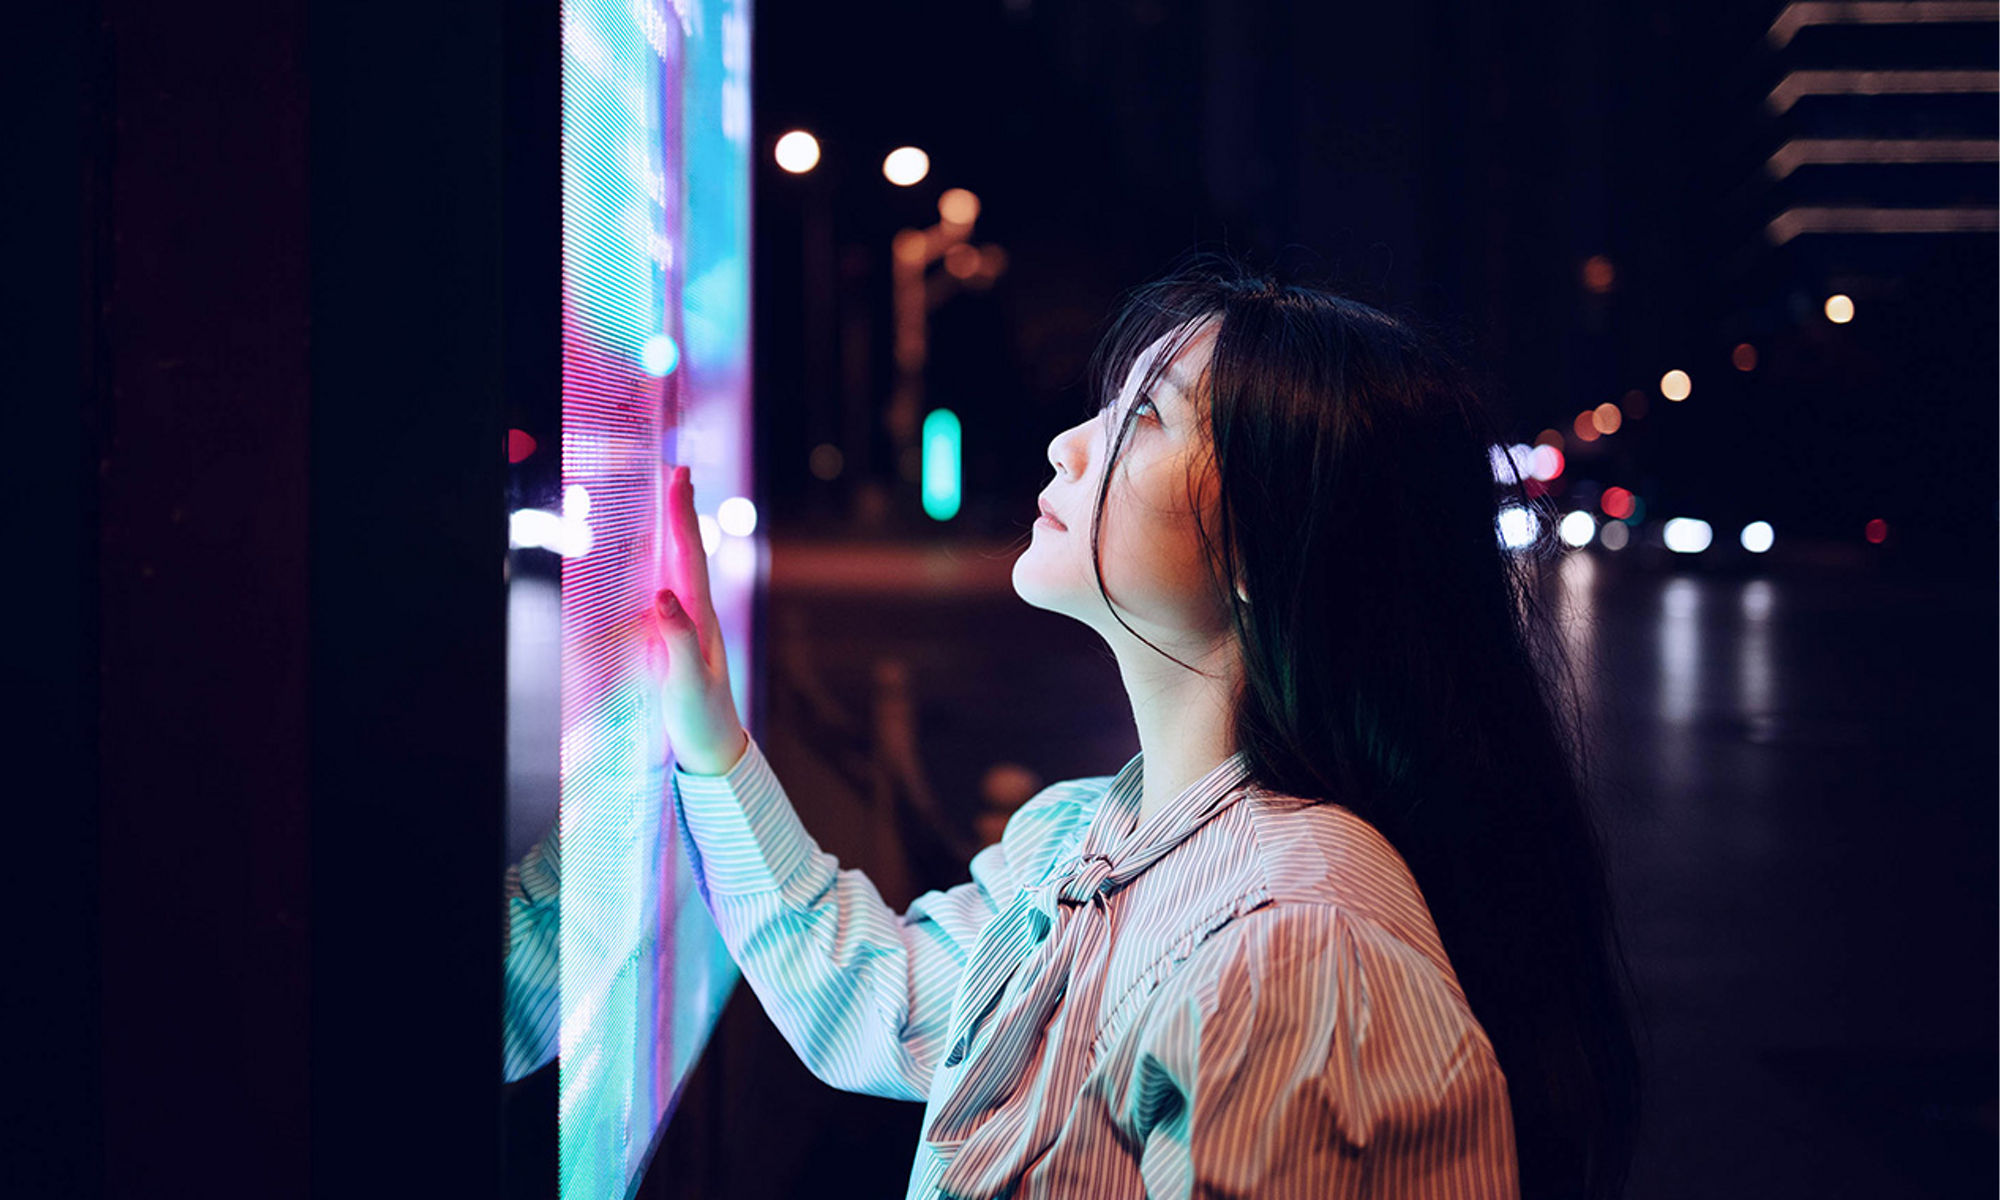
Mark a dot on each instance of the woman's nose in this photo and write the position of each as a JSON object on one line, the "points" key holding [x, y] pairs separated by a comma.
{"points": [[1068, 450], [1061, 454]]}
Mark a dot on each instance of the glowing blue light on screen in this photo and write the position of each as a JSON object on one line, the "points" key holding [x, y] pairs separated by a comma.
{"points": [[660, 356]]}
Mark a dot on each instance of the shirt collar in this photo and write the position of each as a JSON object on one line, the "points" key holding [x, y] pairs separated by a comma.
{"points": [[1117, 818]]}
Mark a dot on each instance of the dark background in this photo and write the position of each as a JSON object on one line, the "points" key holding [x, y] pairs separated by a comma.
{"points": [[1794, 752], [259, 527], [1460, 159]]}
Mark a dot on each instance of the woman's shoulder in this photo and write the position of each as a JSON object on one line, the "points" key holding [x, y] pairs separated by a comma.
{"points": [[1325, 854], [1328, 964], [1309, 936]]}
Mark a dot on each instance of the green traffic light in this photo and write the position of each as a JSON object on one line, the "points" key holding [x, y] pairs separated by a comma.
{"points": [[942, 478]]}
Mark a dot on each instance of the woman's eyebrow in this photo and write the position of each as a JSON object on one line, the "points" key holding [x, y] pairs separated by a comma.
{"points": [[1175, 384]]}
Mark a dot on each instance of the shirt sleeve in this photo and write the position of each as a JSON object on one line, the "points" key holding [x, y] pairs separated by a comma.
{"points": [[862, 994], [531, 1015], [1304, 1051]]}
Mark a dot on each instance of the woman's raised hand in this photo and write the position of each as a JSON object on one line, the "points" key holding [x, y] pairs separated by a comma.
{"points": [[699, 712]]}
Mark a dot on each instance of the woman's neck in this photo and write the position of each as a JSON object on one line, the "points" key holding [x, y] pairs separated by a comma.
{"points": [[1186, 722]]}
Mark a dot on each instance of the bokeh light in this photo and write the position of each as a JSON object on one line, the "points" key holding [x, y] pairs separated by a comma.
{"points": [[962, 261], [1757, 537], [1607, 418], [958, 207], [1578, 528], [910, 246], [737, 516], [660, 355], [1585, 426], [906, 165], [1598, 274], [1545, 463], [826, 461], [1675, 385], [1518, 527], [1686, 535], [1614, 535], [1744, 357], [567, 533], [1876, 531], [1616, 502], [992, 264], [1839, 309], [798, 152]]}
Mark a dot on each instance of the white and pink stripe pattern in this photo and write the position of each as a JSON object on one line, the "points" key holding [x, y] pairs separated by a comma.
{"points": [[1235, 1000]]}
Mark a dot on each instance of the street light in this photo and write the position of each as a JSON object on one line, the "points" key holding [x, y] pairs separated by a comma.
{"points": [[906, 165], [798, 152], [914, 295], [958, 207]]}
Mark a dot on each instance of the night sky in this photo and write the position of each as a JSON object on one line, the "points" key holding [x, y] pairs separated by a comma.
{"points": [[1461, 161]]}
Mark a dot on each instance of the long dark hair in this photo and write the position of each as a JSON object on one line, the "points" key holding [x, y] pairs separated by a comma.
{"points": [[1398, 660]]}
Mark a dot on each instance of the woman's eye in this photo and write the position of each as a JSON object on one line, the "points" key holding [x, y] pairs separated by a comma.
{"points": [[1146, 402]]}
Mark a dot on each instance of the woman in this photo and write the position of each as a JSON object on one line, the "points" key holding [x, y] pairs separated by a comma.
{"points": [[1341, 927]]}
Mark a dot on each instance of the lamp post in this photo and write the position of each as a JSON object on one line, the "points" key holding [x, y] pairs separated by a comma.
{"points": [[798, 152], [916, 292]]}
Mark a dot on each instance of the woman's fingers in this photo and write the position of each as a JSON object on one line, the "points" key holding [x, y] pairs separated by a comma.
{"points": [[689, 561], [699, 712]]}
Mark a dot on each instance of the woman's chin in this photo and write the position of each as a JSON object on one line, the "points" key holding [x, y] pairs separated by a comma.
{"points": [[1029, 586]]}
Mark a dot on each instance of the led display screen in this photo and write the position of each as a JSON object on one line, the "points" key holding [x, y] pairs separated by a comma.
{"points": [[655, 372]]}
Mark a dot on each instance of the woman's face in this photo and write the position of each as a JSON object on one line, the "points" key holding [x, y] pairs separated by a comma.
{"points": [[1151, 554]]}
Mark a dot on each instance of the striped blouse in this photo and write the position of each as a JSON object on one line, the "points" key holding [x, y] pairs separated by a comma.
{"points": [[1231, 998], [531, 1018]]}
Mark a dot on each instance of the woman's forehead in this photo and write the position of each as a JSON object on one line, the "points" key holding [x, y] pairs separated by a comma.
{"points": [[1189, 360]]}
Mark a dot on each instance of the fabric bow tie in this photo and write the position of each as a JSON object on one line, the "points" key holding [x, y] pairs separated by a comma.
{"points": [[998, 1118], [1084, 879]]}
